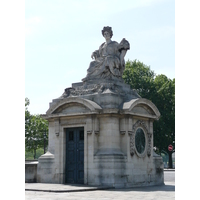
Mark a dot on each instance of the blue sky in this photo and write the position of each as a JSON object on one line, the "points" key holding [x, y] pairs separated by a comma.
{"points": [[60, 36]]}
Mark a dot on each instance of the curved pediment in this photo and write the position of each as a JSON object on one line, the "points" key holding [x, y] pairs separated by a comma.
{"points": [[71, 108], [141, 107], [73, 105]]}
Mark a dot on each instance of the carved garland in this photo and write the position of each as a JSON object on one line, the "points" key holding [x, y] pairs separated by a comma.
{"points": [[132, 142], [149, 144], [142, 124]]}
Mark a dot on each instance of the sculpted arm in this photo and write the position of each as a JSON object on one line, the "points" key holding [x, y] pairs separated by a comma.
{"points": [[95, 54]]}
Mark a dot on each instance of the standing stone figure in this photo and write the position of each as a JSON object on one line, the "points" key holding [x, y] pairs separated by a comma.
{"points": [[109, 59]]}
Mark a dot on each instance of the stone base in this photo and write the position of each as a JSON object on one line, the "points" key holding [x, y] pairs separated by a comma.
{"points": [[107, 93], [45, 172], [110, 113], [114, 170], [31, 172], [109, 170]]}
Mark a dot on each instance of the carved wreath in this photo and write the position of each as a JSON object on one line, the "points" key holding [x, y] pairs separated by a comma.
{"points": [[142, 124]]}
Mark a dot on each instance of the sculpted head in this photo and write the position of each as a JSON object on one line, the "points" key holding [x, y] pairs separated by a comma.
{"points": [[107, 29]]}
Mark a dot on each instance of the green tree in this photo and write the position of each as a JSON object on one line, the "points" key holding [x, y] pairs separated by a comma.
{"points": [[164, 130], [161, 91], [139, 77], [27, 113], [30, 155], [36, 131]]}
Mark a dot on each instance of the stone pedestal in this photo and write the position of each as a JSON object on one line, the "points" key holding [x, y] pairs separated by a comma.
{"points": [[114, 119], [45, 168]]}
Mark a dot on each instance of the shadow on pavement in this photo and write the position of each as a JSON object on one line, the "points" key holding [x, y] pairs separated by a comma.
{"points": [[166, 188]]}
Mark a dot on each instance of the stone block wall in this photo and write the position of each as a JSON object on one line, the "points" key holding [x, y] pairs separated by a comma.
{"points": [[31, 172], [110, 155]]}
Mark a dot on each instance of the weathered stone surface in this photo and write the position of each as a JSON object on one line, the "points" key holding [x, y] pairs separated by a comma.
{"points": [[110, 113], [31, 172], [45, 168], [109, 58], [106, 93]]}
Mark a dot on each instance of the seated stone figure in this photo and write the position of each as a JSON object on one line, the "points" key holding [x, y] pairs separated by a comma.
{"points": [[109, 59]]}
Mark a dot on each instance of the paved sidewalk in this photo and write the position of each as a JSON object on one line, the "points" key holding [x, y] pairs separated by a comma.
{"points": [[47, 187], [164, 192], [82, 192]]}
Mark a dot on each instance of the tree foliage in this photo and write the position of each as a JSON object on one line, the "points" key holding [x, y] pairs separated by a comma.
{"points": [[27, 113], [36, 130], [30, 155], [161, 91]]}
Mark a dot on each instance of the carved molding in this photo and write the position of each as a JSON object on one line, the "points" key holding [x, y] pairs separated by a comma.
{"points": [[123, 132], [96, 132], [57, 133], [89, 132], [140, 123], [130, 132]]}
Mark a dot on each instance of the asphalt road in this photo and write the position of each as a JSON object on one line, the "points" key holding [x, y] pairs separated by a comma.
{"points": [[164, 192], [169, 176]]}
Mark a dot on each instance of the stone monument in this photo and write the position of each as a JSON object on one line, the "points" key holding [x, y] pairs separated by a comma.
{"points": [[100, 130]]}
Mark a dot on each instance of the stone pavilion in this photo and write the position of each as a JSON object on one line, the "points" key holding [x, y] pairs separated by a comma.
{"points": [[101, 130]]}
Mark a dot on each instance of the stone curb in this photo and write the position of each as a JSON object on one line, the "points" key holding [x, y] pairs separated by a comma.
{"points": [[169, 169], [76, 190]]}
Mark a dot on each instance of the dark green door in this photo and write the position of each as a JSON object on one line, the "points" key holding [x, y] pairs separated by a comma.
{"points": [[75, 155]]}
